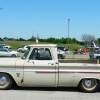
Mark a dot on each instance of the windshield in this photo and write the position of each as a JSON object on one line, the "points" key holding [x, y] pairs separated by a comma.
{"points": [[9, 50], [26, 53]]}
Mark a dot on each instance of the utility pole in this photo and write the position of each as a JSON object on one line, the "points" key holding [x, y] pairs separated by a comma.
{"points": [[68, 31]]}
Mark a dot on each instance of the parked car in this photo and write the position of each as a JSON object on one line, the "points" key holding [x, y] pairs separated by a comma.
{"points": [[61, 54], [94, 55], [2, 45], [62, 48], [8, 46], [22, 49], [8, 52], [80, 51], [5, 46]]}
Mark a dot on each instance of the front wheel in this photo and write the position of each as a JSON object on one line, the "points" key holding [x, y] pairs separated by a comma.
{"points": [[89, 85], [5, 81]]}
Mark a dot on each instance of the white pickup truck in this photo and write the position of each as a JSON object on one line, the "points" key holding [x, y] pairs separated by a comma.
{"points": [[36, 69]]}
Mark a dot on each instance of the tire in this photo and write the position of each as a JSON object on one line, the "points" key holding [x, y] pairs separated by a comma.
{"points": [[13, 55], [97, 57], [20, 51], [5, 81], [89, 85]]}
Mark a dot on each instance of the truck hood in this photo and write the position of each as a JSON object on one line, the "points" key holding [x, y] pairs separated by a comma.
{"points": [[8, 62]]}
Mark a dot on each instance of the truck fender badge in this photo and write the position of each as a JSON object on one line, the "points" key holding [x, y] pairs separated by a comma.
{"points": [[18, 74]]}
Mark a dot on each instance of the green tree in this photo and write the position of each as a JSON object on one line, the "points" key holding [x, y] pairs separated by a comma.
{"points": [[21, 39], [74, 40], [98, 40]]}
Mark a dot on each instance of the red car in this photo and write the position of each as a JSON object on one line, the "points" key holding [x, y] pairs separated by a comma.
{"points": [[81, 51]]}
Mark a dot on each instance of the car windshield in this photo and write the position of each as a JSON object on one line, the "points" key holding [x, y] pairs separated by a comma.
{"points": [[26, 53], [61, 48], [9, 50]]}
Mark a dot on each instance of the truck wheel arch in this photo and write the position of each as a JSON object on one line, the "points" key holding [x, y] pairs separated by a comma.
{"points": [[92, 88], [6, 81], [12, 78]]}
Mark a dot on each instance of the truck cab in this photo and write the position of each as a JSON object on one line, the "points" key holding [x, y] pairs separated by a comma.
{"points": [[40, 62]]}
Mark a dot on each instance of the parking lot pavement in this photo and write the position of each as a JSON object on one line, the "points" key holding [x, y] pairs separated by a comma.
{"points": [[45, 93], [83, 56]]}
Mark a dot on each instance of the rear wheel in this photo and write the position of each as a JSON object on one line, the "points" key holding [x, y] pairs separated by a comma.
{"points": [[89, 85], [5, 81]]}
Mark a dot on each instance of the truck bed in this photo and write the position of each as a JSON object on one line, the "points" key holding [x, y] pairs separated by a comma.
{"points": [[80, 61]]}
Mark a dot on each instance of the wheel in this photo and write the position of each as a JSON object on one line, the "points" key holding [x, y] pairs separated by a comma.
{"points": [[20, 51], [5, 81], [97, 57], [13, 55], [89, 85]]}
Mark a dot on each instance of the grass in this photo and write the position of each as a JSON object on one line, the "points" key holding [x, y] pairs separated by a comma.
{"points": [[16, 44]]}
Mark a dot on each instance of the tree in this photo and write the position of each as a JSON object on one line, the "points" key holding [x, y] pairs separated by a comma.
{"points": [[1, 39], [74, 40], [33, 38], [98, 40], [87, 38], [21, 39]]}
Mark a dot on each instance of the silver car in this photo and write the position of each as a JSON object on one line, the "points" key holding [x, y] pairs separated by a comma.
{"points": [[8, 52], [61, 54]]}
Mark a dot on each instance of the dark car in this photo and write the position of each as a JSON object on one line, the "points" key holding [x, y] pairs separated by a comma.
{"points": [[62, 48]]}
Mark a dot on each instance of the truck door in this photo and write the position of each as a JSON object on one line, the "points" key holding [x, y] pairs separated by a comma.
{"points": [[39, 69]]}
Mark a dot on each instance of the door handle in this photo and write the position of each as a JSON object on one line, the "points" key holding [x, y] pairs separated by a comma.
{"points": [[50, 63]]}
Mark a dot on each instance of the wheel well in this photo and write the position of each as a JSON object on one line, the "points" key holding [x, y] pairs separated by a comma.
{"points": [[98, 80], [10, 77]]}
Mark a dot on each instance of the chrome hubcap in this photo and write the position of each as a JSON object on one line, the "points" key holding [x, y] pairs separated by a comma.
{"points": [[3, 80], [88, 83]]}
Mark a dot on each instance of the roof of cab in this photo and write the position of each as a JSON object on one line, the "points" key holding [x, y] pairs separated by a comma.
{"points": [[42, 45]]}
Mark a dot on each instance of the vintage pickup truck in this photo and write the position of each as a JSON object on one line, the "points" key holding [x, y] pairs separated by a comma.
{"points": [[40, 67]]}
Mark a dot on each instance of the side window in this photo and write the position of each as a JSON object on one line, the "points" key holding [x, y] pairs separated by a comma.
{"points": [[41, 54], [4, 50]]}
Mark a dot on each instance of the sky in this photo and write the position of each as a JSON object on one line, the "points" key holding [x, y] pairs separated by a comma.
{"points": [[49, 18]]}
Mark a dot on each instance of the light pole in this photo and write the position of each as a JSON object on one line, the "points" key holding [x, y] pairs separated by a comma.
{"points": [[68, 31]]}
